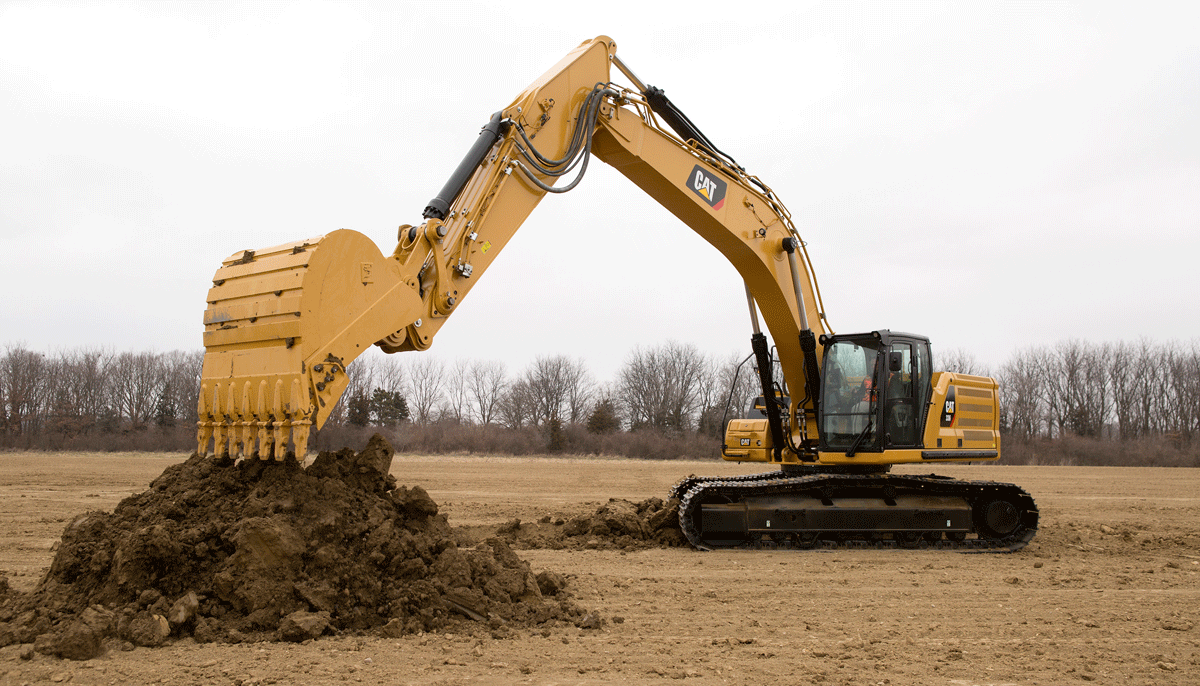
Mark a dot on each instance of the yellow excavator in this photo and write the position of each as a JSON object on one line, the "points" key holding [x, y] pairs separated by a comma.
{"points": [[282, 324]]}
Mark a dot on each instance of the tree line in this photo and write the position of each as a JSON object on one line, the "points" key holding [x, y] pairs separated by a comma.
{"points": [[74, 397], [1071, 402], [669, 388], [103, 399], [1113, 391]]}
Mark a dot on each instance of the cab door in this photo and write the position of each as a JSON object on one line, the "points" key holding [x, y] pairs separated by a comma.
{"points": [[902, 401]]}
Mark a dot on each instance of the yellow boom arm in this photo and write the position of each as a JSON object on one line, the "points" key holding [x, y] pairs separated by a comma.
{"points": [[283, 323]]}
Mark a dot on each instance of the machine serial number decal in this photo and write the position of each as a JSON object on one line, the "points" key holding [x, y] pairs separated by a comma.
{"points": [[708, 187]]}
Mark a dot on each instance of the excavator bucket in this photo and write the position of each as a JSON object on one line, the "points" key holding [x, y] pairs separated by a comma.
{"points": [[281, 326]]}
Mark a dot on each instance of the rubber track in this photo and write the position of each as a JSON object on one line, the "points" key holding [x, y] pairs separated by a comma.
{"points": [[737, 488]]}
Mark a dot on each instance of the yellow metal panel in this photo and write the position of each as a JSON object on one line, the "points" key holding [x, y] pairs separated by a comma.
{"points": [[258, 285], [248, 334], [258, 265], [275, 250], [252, 309], [975, 424]]}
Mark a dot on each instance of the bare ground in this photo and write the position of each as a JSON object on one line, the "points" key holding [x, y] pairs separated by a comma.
{"points": [[1108, 592]]}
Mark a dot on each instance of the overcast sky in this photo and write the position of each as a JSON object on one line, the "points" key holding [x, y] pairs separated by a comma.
{"points": [[992, 175]]}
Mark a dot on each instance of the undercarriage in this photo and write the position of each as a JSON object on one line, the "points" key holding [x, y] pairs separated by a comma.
{"points": [[867, 510]]}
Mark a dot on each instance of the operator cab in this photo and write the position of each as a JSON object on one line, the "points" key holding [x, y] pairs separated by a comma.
{"points": [[875, 390]]}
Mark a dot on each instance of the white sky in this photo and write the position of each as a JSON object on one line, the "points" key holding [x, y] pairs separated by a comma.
{"points": [[992, 175]]}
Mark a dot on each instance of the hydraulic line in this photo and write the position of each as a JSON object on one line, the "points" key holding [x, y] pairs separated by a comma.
{"points": [[576, 136], [588, 125], [737, 372]]}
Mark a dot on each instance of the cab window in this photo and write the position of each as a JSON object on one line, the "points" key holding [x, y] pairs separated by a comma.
{"points": [[849, 394]]}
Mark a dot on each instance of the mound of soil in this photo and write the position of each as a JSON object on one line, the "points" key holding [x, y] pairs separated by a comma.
{"points": [[273, 551], [615, 525]]}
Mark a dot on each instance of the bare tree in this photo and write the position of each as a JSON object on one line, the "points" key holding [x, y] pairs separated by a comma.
{"points": [[389, 374], [89, 383], [1021, 394], [181, 384], [517, 406], [354, 407], [427, 376], [580, 389], [62, 416], [1120, 379], [1188, 392], [1183, 391], [457, 404], [77, 391], [1150, 380], [136, 382], [1093, 400], [660, 387], [1052, 379], [961, 361], [23, 377], [487, 382], [726, 390], [551, 381], [739, 376]]}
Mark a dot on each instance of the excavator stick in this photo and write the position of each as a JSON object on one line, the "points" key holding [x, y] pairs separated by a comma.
{"points": [[282, 324]]}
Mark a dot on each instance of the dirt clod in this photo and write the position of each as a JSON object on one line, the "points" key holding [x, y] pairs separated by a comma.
{"points": [[301, 626], [272, 551], [184, 609], [147, 629], [617, 524], [550, 583]]}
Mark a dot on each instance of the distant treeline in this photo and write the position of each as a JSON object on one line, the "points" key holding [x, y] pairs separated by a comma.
{"points": [[1073, 403], [1086, 403]]}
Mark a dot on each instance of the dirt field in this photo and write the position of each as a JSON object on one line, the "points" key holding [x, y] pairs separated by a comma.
{"points": [[1108, 592]]}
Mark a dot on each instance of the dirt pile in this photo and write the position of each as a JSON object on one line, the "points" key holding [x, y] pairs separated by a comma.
{"points": [[272, 551], [615, 525]]}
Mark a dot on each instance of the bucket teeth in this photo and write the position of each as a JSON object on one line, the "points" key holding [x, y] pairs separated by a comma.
{"points": [[274, 426]]}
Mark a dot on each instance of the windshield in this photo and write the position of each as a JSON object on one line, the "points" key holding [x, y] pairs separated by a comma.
{"points": [[849, 396]]}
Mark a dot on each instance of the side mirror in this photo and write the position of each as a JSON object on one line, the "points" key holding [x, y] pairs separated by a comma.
{"points": [[895, 361]]}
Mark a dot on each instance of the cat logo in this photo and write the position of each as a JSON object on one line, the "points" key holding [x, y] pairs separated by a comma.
{"points": [[707, 186], [948, 408]]}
